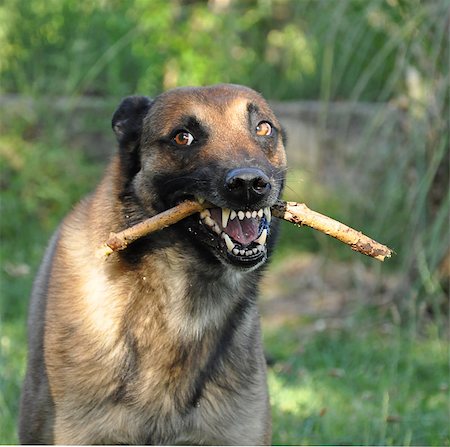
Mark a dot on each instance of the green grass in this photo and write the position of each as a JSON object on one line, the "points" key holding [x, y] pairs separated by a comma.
{"points": [[12, 359], [367, 384]]}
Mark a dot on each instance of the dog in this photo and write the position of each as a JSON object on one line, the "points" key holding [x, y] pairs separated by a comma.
{"points": [[161, 343]]}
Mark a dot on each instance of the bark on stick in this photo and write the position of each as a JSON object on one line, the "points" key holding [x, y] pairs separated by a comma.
{"points": [[120, 241], [300, 214], [296, 213]]}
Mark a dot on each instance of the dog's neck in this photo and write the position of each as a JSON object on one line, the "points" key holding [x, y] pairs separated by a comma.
{"points": [[200, 297]]}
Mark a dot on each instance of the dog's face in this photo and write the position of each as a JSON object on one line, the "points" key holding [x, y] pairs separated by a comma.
{"points": [[221, 144]]}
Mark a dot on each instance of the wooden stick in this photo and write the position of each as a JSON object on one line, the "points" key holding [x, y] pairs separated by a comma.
{"points": [[296, 213], [300, 214], [120, 241]]}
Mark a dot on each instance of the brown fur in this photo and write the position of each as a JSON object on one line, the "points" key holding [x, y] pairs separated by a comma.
{"points": [[160, 344]]}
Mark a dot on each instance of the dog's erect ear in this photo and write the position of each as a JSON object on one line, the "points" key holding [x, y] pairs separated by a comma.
{"points": [[127, 124], [127, 119]]}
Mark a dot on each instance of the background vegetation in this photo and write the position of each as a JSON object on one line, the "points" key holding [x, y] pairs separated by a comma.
{"points": [[382, 376]]}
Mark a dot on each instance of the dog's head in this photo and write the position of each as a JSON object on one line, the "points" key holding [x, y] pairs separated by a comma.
{"points": [[221, 144]]}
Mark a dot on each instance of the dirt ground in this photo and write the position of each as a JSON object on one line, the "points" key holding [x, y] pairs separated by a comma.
{"points": [[321, 293]]}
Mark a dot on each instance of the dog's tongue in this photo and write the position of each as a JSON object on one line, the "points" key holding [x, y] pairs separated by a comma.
{"points": [[244, 231]]}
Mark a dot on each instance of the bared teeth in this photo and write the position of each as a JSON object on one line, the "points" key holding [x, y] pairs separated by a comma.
{"points": [[241, 215], [205, 213], [225, 216], [262, 238], [229, 214], [208, 221], [229, 243]]}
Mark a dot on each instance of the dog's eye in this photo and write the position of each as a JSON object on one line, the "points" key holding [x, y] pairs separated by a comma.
{"points": [[183, 138], [264, 129]]}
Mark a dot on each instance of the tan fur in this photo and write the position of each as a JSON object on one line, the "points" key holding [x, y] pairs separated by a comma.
{"points": [[122, 344]]}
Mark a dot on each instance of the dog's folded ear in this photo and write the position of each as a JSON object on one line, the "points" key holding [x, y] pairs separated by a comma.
{"points": [[127, 123], [127, 119]]}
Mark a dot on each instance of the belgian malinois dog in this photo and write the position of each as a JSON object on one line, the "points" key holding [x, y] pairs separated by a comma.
{"points": [[160, 343]]}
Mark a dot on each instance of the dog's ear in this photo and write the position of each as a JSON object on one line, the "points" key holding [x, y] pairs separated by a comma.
{"points": [[127, 123], [127, 119]]}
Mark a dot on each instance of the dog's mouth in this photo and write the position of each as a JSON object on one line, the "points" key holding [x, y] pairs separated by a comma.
{"points": [[238, 236]]}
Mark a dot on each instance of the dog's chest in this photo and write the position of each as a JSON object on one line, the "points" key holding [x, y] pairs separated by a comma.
{"points": [[200, 397], [177, 334], [183, 362], [217, 418], [181, 359]]}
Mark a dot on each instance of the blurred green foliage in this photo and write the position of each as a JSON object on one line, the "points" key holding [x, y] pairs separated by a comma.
{"points": [[284, 48]]}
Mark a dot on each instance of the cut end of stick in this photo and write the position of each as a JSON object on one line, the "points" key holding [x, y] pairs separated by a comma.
{"points": [[381, 252]]}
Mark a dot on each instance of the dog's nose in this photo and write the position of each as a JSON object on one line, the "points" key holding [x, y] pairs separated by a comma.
{"points": [[247, 185]]}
